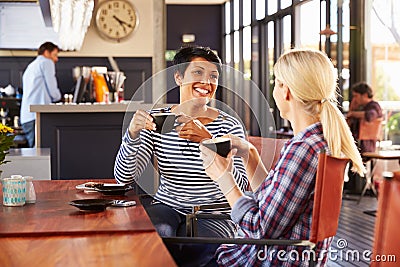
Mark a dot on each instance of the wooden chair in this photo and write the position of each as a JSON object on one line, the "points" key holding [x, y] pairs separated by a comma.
{"points": [[387, 233], [325, 215], [269, 150], [370, 130]]}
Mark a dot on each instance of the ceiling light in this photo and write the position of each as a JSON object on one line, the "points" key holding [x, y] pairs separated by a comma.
{"points": [[70, 19], [327, 31], [188, 38]]}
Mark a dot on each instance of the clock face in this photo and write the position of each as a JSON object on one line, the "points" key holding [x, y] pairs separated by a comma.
{"points": [[116, 19]]}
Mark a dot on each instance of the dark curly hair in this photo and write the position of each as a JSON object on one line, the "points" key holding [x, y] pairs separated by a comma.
{"points": [[47, 46], [362, 88], [186, 54]]}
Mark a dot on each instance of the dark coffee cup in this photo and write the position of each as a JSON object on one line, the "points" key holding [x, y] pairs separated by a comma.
{"points": [[164, 122], [220, 145]]}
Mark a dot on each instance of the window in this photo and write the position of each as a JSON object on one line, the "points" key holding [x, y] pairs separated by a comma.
{"points": [[260, 9], [272, 7], [253, 47], [385, 50]]}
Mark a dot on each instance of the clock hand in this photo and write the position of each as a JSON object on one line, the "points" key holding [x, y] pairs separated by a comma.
{"points": [[120, 22], [129, 25]]}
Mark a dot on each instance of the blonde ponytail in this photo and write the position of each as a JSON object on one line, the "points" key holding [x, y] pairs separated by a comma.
{"points": [[334, 125], [311, 77]]}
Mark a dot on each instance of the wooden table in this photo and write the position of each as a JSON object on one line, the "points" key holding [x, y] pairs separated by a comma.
{"points": [[53, 233], [373, 156]]}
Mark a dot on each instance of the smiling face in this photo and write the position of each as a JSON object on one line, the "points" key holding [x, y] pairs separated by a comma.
{"points": [[199, 81]]}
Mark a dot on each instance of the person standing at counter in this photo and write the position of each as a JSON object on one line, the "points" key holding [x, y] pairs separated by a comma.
{"points": [[39, 85], [183, 182]]}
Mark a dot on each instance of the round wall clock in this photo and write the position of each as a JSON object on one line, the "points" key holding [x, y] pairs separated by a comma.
{"points": [[116, 19]]}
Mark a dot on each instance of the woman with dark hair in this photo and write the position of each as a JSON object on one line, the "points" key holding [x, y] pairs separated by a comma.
{"points": [[183, 181]]}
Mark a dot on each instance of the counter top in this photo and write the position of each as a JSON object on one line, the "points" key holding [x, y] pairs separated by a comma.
{"points": [[28, 152], [96, 107]]}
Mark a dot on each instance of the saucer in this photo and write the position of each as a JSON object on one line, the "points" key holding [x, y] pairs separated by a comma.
{"points": [[113, 189], [96, 204]]}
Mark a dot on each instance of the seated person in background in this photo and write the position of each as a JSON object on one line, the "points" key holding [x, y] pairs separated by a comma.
{"points": [[281, 206], [183, 181], [363, 107]]}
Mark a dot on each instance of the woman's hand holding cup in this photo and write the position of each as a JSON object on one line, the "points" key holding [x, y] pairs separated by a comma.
{"points": [[241, 145], [141, 120], [217, 167], [192, 129], [214, 163]]}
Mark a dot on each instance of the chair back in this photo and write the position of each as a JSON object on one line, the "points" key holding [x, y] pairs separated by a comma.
{"points": [[268, 148], [387, 232], [370, 130], [327, 196]]}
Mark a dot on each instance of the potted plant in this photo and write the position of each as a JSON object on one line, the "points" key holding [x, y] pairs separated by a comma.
{"points": [[6, 141], [393, 128]]}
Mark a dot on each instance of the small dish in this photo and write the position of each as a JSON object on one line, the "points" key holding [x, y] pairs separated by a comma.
{"points": [[96, 204], [88, 187], [113, 189]]}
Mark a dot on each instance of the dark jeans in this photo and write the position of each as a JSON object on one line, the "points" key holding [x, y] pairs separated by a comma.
{"points": [[29, 131], [168, 223]]}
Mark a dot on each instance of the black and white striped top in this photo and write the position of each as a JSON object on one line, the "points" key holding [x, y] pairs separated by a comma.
{"points": [[183, 181]]}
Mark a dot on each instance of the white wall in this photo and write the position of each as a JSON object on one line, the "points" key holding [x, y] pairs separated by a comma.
{"points": [[140, 44]]}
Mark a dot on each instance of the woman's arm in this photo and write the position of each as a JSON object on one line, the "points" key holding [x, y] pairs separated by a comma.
{"points": [[255, 169], [281, 198], [239, 172], [133, 157]]}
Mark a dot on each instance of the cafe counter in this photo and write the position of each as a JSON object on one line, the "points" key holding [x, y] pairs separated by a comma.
{"points": [[83, 139]]}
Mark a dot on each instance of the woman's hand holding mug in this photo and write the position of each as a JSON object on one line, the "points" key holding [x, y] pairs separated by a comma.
{"points": [[141, 120]]}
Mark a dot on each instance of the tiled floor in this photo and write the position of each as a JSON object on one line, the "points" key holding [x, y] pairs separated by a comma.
{"points": [[352, 245]]}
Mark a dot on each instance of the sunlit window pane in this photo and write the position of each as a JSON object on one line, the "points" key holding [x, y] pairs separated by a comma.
{"points": [[271, 38], [236, 51], [228, 17], [287, 30], [308, 28], [247, 52], [346, 21], [286, 3], [246, 13], [272, 6], [385, 50], [247, 43], [271, 35], [260, 9], [228, 53], [236, 14]]}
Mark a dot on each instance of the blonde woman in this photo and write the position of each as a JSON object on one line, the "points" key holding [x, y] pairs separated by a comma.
{"points": [[281, 206]]}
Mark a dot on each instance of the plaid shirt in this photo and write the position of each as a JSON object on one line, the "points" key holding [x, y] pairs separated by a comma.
{"points": [[281, 208]]}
